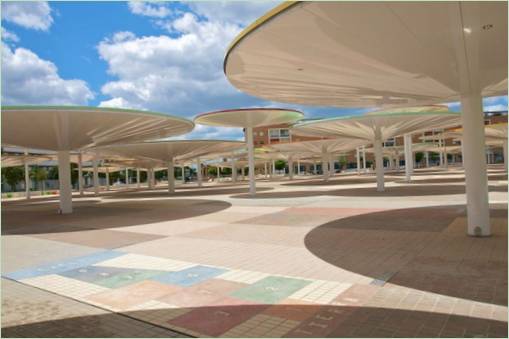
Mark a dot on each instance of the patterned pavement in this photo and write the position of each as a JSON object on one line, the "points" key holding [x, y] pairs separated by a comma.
{"points": [[303, 266]]}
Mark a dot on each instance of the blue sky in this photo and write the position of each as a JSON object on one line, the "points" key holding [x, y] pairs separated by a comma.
{"points": [[159, 56]]}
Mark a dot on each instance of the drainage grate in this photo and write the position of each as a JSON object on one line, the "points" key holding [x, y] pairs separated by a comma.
{"points": [[382, 279]]}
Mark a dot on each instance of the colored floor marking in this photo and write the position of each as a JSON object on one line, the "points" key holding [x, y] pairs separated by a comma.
{"points": [[189, 276], [271, 289]]}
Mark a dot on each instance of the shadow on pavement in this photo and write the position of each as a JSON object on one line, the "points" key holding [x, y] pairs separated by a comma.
{"points": [[398, 191], [42, 218], [300, 321], [422, 248]]}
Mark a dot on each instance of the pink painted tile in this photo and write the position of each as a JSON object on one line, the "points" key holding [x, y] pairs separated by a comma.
{"points": [[202, 294], [214, 321], [132, 295]]}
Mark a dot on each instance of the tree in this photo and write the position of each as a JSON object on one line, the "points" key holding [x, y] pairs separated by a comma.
{"points": [[342, 162], [280, 165], [13, 175], [212, 170], [39, 174]]}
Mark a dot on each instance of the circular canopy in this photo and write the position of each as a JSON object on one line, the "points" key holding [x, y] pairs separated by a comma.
{"points": [[368, 54], [390, 123], [319, 146], [13, 160], [173, 149], [102, 169], [62, 128], [493, 133], [249, 117]]}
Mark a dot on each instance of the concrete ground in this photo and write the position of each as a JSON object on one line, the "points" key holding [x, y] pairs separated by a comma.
{"points": [[303, 259]]}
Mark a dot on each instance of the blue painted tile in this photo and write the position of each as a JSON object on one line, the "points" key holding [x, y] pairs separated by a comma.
{"points": [[93, 273], [189, 276], [64, 265]]}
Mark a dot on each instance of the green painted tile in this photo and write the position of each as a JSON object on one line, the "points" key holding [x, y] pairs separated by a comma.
{"points": [[271, 289], [124, 279]]}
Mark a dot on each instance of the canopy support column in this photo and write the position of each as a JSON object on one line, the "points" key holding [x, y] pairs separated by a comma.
{"points": [[250, 152], [198, 172], [409, 161], [171, 177], [332, 169], [64, 181], [379, 161], [325, 164], [426, 156], [273, 166], [150, 178], [298, 167], [218, 173], [364, 158], [95, 162], [80, 173], [107, 178], [265, 171], [475, 165], [138, 177], [27, 177], [446, 162], [290, 168], [358, 161], [505, 154], [126, 176], [234, 169]]}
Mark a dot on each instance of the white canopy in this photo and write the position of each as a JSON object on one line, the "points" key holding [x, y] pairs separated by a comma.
{"points": [[379, 54], [249, 117], [389, 123], [171, 150], [370, 54], [62, 128]]}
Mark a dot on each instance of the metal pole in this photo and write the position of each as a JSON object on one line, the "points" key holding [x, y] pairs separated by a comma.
{"points": [[171, 177], [250, 152], [64, 180]]}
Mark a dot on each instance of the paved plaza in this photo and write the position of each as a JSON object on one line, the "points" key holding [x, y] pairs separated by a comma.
{"points": [[304, 258]]}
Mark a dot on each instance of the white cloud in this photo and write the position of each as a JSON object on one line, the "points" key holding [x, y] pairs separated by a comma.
{"points": [[29, 14], [236, 12], [495, 108], [150, 9], [180, 73], [28, 79], [9, 36]]}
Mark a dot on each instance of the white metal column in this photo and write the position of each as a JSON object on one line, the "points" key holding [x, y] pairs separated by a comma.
{"points": [[265, 171], [95, 162], [379, 161], [364, 158], [325, 164], [290, 168], [234, 169], [426, 156], [80, 173], [27, 177], [138, 177], [409, 161], [250, 152], [505, 154], [358, 160], [198, 172], [475, 167], [107, 179], [171, 177], [64, 181]]}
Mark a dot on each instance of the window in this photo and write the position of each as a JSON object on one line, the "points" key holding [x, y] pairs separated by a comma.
{"points": [[389, 142], [279, 135]]}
